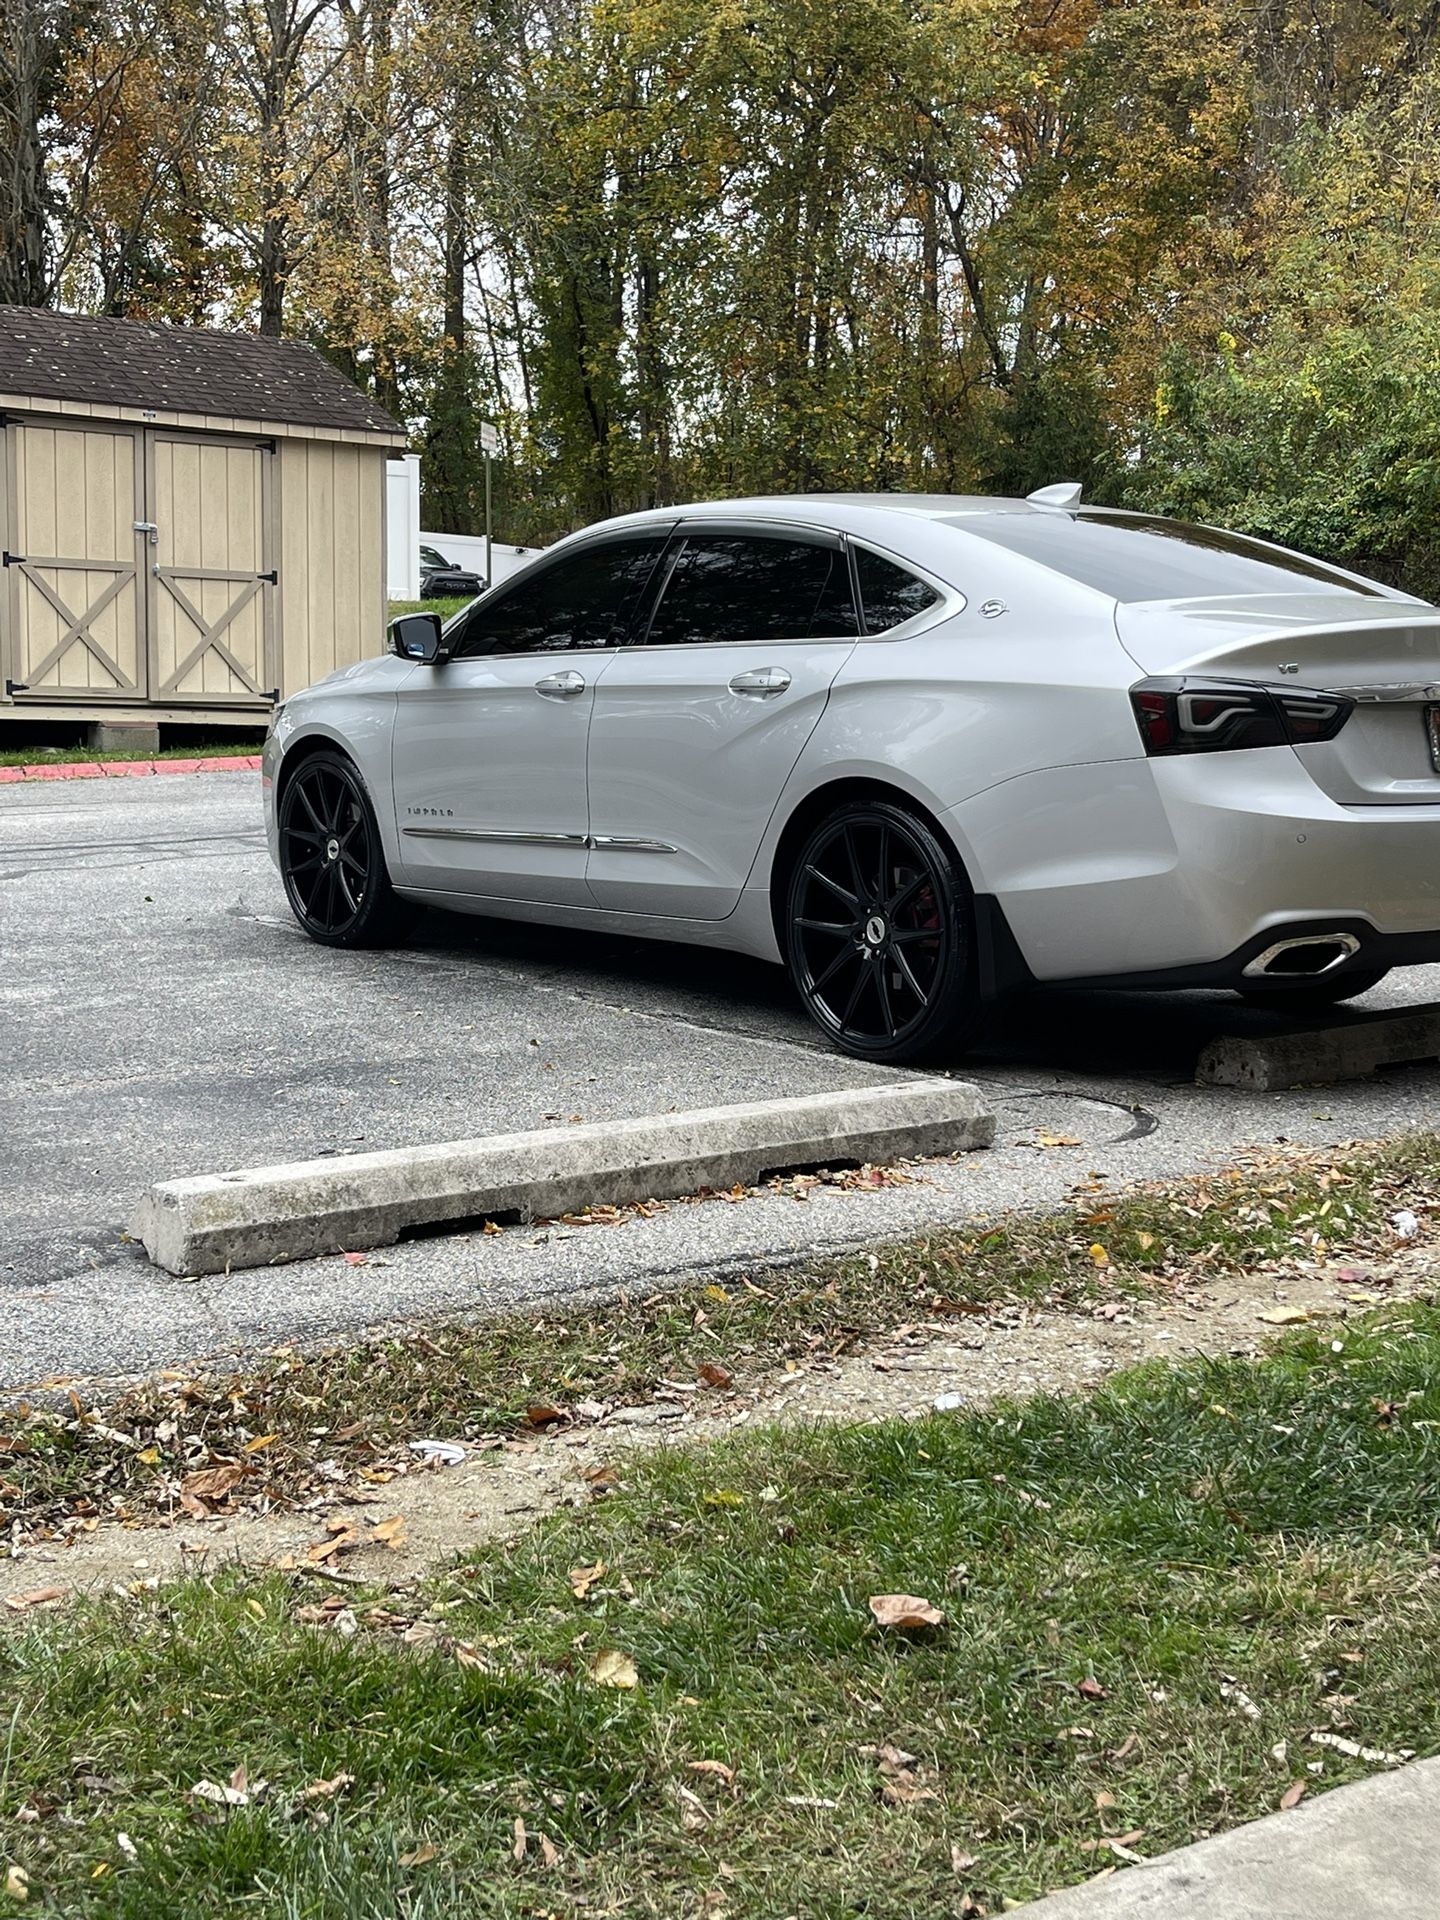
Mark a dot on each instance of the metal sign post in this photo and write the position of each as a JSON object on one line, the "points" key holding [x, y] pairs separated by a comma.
{"points": [[489, 443]]}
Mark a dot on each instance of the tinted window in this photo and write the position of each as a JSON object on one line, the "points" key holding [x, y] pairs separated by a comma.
{"points": [[751, 587], [1133, 557], [581, 601], [430, 558], [888, 593]]}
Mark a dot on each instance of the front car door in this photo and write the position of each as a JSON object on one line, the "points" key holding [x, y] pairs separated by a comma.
{"points": [[489, 746], [698, 723]]}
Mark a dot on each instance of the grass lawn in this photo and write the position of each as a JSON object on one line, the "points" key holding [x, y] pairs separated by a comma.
{"points": [[1153, 1600], [31, 756], [444, 607]]}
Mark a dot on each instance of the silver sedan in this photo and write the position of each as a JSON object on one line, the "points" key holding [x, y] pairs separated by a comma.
{"points": [[922, 750]]}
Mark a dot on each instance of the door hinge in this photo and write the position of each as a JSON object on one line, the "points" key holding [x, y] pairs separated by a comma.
{"points": [[16, 686], [14, 559], [273, 576], [272, 696]]}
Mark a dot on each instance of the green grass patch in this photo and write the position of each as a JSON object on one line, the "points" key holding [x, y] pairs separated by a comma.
{"points": [[41, 756], [444, 606], [1110, 1571], [62, 1464]]}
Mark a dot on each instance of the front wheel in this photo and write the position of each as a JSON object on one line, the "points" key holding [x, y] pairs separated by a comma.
{"points": [[1313, 996], [331, 858], [879, 936]]}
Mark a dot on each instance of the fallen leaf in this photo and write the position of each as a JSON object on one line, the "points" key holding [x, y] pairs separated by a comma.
{"points": [[1103, 1800], [420, 1857], [611, 1668], [1126, 1747], [715, 1376], [549, 1852], [1045, 1139], [723, 1497], [518, 1850], [960, 1860], [356, 1259], [390, 1533], [260, 1441], [905, 1791], [583, 1578], [1284, 1316], [212, 1483], [1292, 1795], [17, 1883], [904, 1610], [694, 1813], [1099, 1255], [327, 1789], [36, 1597], [324, 1550], [1091, 1688], [717, 1767], [543, 1414]]}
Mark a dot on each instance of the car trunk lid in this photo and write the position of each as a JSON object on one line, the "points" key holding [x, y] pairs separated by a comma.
{"points": [[1385, 654]]}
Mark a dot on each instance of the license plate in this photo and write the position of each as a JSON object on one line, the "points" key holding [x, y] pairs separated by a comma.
{"points": [[1432, 734]]}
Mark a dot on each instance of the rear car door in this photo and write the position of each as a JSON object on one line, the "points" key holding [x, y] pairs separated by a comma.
{"points": [[489, 747], [699, 722]]}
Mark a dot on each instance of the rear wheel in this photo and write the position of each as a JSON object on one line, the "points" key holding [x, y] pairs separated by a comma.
{"points": [[1311, 996], [879, 936], [331, 858]]}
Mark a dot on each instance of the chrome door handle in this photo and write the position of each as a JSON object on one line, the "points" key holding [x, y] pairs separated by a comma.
{"points": [[561, 686], [761, 680]]}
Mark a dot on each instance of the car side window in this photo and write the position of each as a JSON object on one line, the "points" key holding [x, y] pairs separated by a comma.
{"points": [[577, 603], [726, 587], [889, 594]]}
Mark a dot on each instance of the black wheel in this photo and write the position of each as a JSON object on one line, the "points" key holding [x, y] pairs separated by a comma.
{"points": [[331, 859], [1312, 996], [879, 935]]}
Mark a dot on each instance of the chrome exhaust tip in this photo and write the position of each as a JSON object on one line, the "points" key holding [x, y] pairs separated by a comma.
{"points": [[1303, 957]]}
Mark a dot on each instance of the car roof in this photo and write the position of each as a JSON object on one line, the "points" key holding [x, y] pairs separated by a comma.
{"points": [[793, 506]]}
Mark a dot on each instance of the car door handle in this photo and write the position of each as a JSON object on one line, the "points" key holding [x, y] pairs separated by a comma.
{"points": [[760, 680], [561, 686]]}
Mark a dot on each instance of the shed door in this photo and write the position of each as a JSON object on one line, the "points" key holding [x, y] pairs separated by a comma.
{"points": [[211, 579], [71, 553]]}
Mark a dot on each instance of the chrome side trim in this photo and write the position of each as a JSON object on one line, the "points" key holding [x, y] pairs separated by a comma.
{"points": [[508, 837], [626, 844], [503, 835]]}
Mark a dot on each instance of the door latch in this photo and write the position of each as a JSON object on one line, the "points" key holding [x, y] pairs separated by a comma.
{"points": [[148, 526]]}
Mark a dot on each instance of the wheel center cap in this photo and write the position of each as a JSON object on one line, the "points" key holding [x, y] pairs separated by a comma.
{"points": [[875, 931], [332, 849]]}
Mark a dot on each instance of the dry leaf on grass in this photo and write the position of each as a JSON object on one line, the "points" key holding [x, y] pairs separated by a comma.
{"points": [[960, 1860], [716, 1767], [543, 1414], [611, 1668], [238, 1791], [212, 1483], [904, 1611], [715, 1376], [583, 1578], [420, 1857], [1091, 1689], [521, 1843], [17, 1883], [1292, 1795], [1373, 1756], [694, 1813], [327, 1789], [1284, 1316]]}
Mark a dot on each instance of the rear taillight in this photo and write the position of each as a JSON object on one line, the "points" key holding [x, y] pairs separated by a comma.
{"points": [[1219, 716]]}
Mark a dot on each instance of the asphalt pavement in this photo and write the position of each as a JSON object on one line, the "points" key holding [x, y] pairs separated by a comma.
{"points": [[161, 1015]]}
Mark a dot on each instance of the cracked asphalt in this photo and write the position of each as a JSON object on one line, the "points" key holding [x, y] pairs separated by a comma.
{"points": [[161, 1015]]}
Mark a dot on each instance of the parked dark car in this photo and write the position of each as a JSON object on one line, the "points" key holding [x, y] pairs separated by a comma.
{"points": [[441, 579]]}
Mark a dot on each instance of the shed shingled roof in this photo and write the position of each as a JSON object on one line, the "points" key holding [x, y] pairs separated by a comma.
{"points": [[141, 363]]}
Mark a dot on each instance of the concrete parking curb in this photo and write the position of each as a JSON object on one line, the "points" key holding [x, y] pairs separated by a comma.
{"points": [[255, 1217], [1272, 1063], [1370, 1851], [129, 769]]}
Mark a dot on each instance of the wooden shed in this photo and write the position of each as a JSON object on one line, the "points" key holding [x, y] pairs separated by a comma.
{"points": [[194, 522]]}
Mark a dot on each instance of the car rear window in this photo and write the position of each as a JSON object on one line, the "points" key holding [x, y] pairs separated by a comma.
{"points": [[1132, 556]]}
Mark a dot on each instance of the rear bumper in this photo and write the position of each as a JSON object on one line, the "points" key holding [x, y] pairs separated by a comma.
{"points": [[1174, 873]]}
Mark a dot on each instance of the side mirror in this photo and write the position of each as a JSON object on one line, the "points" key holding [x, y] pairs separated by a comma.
{"points": [[416, 636]]}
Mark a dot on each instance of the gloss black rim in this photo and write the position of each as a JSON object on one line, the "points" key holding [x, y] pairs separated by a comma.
{"points": [[327, 851], [869, 931]]}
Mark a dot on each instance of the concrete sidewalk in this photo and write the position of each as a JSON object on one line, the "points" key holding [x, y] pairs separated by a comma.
{"points": [[1366, 1852]]}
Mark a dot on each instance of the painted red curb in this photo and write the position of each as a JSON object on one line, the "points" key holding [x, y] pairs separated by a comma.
{"points": [[131, 769]]}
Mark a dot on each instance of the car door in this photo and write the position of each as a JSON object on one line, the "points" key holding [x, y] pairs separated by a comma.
{"points": [[699, 722], [489, 745]]}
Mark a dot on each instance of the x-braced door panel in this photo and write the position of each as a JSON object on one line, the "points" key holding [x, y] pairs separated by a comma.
{"points": [[72, 550], [211, 576]]}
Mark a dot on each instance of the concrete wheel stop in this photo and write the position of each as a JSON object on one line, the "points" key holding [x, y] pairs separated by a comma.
{"points": [[1346, 1049], [262, 1215]]}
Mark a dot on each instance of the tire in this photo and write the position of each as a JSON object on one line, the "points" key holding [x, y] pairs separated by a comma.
{"points": [[879, 936], [1313, 996], [331, 857]]}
